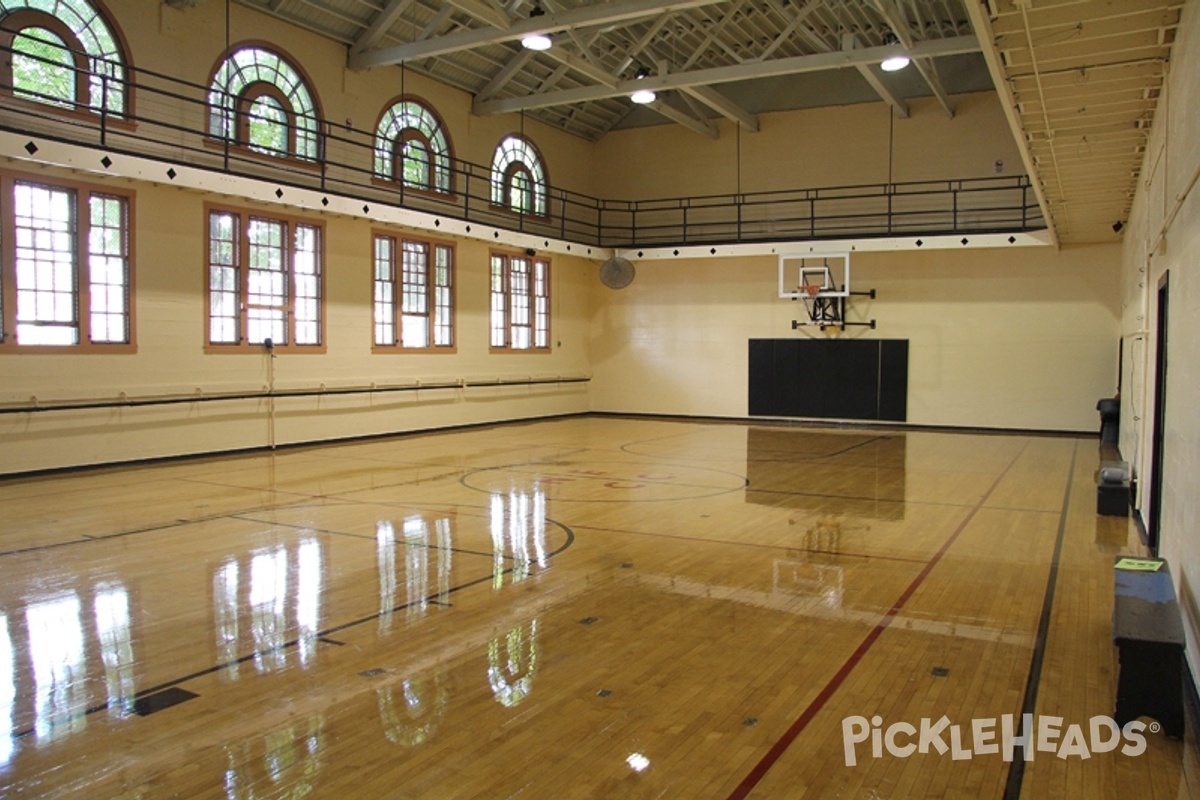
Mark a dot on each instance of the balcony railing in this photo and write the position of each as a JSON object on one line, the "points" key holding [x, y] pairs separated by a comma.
{"points": [[170, 121]]}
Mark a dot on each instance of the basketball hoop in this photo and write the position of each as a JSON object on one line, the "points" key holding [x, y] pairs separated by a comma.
{"points": [[811, 289]]}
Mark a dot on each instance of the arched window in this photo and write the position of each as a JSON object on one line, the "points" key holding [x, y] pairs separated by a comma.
{"points": [[258, 99], [518, 177], [411, 146], [64, 53]]}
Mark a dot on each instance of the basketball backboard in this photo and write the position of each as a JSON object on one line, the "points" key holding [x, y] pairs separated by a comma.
{"points": [[814, 275]]}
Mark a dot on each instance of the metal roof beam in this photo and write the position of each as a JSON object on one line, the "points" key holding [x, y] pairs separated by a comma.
{"points": [[724, 106], [714, 75], [380, 25], [582, 16]]}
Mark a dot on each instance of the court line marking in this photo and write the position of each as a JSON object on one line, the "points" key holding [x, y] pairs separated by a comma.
{"points": [[1016, 768], [764, 765], [370, 537], [433, 598], [762, 545]]}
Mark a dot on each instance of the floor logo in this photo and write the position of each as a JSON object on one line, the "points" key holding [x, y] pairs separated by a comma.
{"points": [[994, 736]]}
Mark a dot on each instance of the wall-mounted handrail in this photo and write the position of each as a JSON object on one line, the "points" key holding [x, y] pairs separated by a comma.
{"points": [[122, 401]]}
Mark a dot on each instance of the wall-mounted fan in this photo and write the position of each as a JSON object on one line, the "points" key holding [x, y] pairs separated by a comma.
{"points": [[617, 272]]}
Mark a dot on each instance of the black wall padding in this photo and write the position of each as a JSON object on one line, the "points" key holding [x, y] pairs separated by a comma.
{"points": [[829, 378]]}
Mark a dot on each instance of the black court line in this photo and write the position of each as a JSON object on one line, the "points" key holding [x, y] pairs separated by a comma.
{"points": [[367, 537], [760, 545], [1016, 768], [435, 598]]}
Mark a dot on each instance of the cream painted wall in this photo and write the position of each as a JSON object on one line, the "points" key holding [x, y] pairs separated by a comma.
{"points": [[170, 359], [1024, 338], [1161, 239], [187, 43], [984, 353], [837, 146]]}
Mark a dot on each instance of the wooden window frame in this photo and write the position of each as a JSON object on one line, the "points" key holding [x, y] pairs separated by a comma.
{"points": [[18, 21], [398, 239], [533, 298], [243, 345], [82, 192]]}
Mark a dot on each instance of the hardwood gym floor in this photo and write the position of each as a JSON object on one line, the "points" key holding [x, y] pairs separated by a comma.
{"points": [[588, 607]]}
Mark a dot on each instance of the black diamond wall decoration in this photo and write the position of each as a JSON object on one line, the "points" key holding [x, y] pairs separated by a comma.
{"points": [[171, 173], [31, 148], [106, 161], [279, 193]]}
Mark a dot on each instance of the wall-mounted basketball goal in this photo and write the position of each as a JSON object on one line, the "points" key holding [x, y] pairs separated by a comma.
{"points": [[822, 282]]}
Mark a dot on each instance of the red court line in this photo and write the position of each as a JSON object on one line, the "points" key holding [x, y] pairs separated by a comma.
{"points": [[784, 742]]}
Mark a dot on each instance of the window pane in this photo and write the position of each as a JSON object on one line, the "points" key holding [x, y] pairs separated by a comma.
{"points": [[267, 128], [47, 304], [223, 278], [108, 268], [416, 164], [499, 308], [43, 68], [385, 288], [443, 310], [306, 268]]}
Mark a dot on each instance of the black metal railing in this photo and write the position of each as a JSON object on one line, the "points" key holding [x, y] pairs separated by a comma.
{"points": [[168, 120]]}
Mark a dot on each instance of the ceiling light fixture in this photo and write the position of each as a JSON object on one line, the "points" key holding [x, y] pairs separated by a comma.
{"points": [[536, 41], [894, 63], [643, 96]]}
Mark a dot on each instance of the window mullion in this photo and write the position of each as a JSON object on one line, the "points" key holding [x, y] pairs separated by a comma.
{"points": [[83, 265], [243, 278], [8, 276]]}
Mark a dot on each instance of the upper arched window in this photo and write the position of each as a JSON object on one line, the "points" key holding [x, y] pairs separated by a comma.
{"points": [[518, 177], [258, 99], [411, 146], [63, 53]]}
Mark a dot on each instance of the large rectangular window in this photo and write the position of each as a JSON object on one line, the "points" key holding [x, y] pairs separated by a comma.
{"points": [[520, 306], [265, 281], [67, 275], [414, 293]]}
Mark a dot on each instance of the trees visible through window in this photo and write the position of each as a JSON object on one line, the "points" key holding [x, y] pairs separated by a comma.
{"points": [[411, 146], [68, 265], [63, 53], [520, 302], [518, 177], [265, 281], [414, 293], [258, 99]]}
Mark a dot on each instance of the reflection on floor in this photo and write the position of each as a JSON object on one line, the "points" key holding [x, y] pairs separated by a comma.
{"points": [[585, 607]]}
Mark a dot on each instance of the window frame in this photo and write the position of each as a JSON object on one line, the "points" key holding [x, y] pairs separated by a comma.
{"points": [[397, 269], [395, 145], [533, 303], [21, 19], [244, 216], [81, 195], [500, 179], [233, 118]]}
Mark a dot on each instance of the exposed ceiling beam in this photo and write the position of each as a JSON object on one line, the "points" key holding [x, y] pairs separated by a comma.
{"points": [[701, 126], [724, 106], [897, 103], [380, 25], [506, 73], [715, 75], [928, 71], [982, 25], [599, 14], [899, 25], [483, 10], [867, 71]]}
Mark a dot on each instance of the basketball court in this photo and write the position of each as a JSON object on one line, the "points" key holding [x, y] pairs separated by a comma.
{"points": [[592, 606]]}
